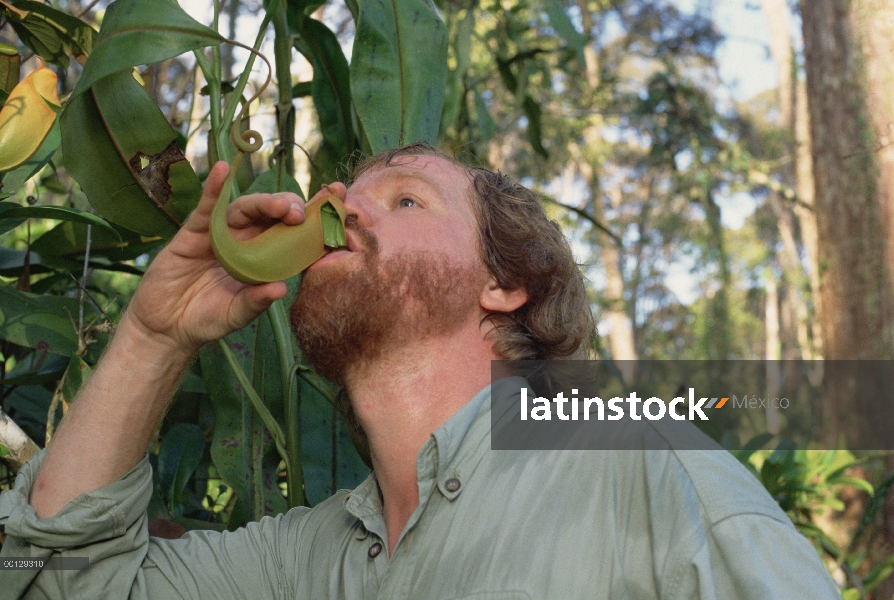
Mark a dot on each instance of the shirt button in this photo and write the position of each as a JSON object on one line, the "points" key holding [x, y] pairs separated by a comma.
{"points": [[452, 485], [374, 550]]}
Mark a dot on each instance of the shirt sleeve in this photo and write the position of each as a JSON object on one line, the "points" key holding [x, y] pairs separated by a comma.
{"points": [[755, 557], [110, 527]]}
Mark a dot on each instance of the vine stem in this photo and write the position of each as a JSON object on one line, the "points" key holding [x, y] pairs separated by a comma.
{"points": [[285, 110], [84, 277], [282, 335]]}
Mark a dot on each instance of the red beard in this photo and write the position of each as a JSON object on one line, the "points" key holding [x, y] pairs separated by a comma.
{"points": [[354, 317]]}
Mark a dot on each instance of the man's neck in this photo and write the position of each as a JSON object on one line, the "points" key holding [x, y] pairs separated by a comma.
{"points": [[404, 397]]}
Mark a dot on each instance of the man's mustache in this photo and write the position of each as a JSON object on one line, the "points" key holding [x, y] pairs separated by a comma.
{"points": [[369, 243]]}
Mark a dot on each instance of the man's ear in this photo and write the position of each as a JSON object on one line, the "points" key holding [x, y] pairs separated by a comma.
{"points": [[497, 299]]}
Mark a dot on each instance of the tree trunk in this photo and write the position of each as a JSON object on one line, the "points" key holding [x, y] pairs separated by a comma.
{"points": [[806, 212], [849, 61], [850, 76]]}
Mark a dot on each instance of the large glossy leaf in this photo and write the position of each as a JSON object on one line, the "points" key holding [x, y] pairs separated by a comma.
{"points": [[40, 322], [62, 248], [136, 32], [118, 145], [69, 240], [331, 85], [241, 448], [399, 71], [51, 33], [58, 213]]}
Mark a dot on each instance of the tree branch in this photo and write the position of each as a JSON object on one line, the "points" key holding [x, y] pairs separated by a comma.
{"points": [[20, 447], [588, 217]]}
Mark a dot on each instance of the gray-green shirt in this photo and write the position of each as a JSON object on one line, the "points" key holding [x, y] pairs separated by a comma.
{"points": [[495, 525]]}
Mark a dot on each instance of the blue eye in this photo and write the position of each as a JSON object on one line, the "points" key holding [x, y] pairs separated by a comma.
{"points": [[406, 203]]}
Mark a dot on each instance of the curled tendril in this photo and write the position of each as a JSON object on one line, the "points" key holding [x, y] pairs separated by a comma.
{"points": [[246, 141]]}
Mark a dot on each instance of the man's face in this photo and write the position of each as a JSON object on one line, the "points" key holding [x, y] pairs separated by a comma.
{"points": [[418, 204], [412, 269]]}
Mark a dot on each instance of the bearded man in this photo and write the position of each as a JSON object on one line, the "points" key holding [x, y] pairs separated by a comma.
{"points": [[447, 268]]}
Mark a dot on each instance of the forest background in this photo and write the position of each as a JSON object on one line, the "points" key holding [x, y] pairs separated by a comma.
{"points": [[711, 223]]}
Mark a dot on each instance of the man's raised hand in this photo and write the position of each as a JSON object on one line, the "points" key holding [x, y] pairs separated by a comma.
{"points": [[186, 299]]}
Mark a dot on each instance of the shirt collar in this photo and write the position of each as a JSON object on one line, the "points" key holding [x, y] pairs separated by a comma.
{"points": [[448, 457]]}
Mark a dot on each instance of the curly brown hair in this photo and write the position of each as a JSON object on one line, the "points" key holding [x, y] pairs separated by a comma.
{"points": [[522, 249]]}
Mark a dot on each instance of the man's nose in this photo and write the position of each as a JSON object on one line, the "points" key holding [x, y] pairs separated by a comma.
{"points": [[358, 208]]}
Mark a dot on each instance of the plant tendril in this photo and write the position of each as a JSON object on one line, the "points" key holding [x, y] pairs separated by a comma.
{"points": [[250, 140]]}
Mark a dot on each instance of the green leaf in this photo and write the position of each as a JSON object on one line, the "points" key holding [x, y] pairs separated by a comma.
{"points": [[51, 33], [241, 448], [15, 178], [462, 48], [68, 241], [333, 228], [119, 147], [535, 133], [331, 85], [558, 18], [179, 454], [13, 261], [58, 213], [269, 182], [75, 377], [324, 166], [136, 32], [399, 71], [856, 482], [298, 10], [40, 322], [9, 72], [486, 126], [7, 224], [754, 444], [302, 89]]}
